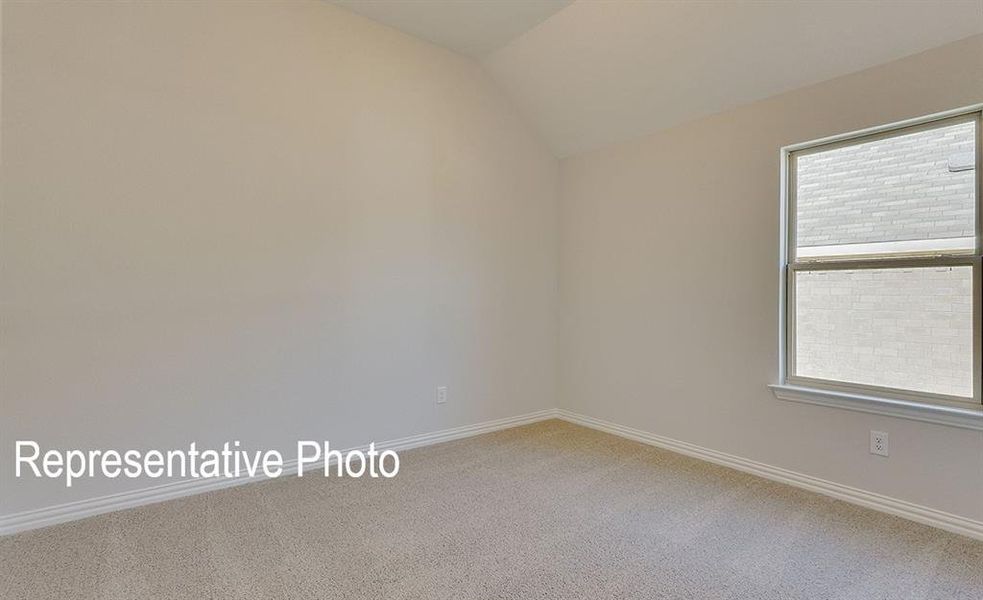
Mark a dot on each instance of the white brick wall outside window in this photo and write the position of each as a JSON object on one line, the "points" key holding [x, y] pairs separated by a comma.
{"points": [[894, 189], [908, 328]]}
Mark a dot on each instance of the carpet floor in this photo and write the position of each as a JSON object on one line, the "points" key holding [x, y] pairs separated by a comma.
{"points": [[549, 510]]}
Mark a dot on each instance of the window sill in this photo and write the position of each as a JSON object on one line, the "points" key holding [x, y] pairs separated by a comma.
{"points": [[967, 418]]}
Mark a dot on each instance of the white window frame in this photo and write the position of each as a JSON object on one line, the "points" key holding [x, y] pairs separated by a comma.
{"points": [[947, 409]]}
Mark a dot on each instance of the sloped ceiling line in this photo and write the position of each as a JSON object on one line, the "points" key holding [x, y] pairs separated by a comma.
{"points": [[593, 72]]}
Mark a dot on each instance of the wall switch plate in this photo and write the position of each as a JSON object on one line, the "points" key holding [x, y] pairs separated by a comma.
{"points": [[878, 443], [441, 394]]}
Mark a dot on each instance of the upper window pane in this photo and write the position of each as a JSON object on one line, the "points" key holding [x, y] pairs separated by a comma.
{"points": [[902, 194]]}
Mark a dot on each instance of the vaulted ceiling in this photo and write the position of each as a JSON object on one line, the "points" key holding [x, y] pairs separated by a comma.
{"points": [[472, 27], [592, 72]]}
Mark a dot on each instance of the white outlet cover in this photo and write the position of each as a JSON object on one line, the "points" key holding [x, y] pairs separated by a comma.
{"points": [[879, 443], [442, 394]]}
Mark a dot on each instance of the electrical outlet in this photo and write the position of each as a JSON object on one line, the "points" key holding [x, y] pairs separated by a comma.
{"points": [[878, 443], [441, 394]]}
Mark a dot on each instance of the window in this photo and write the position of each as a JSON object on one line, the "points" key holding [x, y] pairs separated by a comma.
{"points": [[881, 265]]}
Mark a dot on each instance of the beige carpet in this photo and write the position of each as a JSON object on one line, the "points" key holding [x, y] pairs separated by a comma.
{"points": [[550, 510]]}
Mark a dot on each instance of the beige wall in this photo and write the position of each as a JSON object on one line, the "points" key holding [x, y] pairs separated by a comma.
{"points": [[669, 288], [259, 221], [271, 221]]}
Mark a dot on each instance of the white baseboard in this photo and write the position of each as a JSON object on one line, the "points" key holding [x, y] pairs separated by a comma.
{"points": [[922, 514], [900, 508], [51, 515]]}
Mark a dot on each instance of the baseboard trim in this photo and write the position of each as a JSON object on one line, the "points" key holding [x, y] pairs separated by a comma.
{"points": [[72, 511], [52, 515], [886, 504]]}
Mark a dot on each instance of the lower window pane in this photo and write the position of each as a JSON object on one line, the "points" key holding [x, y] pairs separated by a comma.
{"points": [[901, 328]]}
